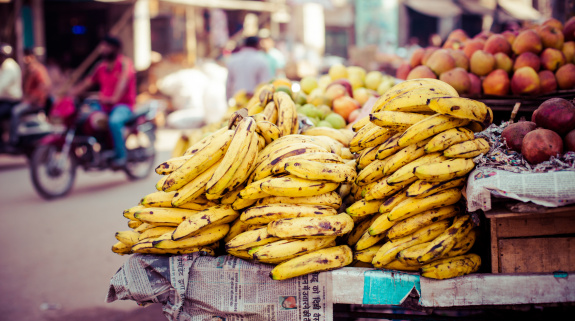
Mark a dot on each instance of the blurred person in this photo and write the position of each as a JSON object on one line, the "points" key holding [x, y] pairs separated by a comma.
{"points": [[247, 68], [275, 57], [10, 86], [116, 77]]}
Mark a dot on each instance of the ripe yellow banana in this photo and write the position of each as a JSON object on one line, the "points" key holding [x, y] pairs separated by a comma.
{"points": [[181, 145], [194, 188], [231, 196], [287, 114], [421, 189], [372, 172], [163, 216], [397, 265], [242, 254], [312, 170], [160, 183], [404, 175], [468, 149], [414, 100], [199, 162], [240, 203], [459, 107], [396, 119], [346, 154], [143, 227], [148, 248], [447, 138], [320, 260], [246, 167], [388, 251], [403, 157], [207, 236], [171, 165], [452, 267], [447, 240], [134, 224], [121, 248], [382, 190], [261, 142], [331, 158], [155, 232], [253, 191], [367, 240], [412, 206], [409, 85], [392, 201], [360, 135], [129, 213], [333, 225], [290, 248], [232, 160], [271, 112], [359, 228], [462, 246], [216, 215], [409, 255], [264, 169], [363, 207], [389, 147], [446, 170], [158, 199], [249, 239], [429, 127], [271, 212], [380, 225], [295, 186], [373, 137], [268, 130], [366, 157], [128, 237], [329, 132], [273, 149], [414, 223], [194, 205], [331, 199], [236, 228], [360, 123], [366, 255], [205, 141]]}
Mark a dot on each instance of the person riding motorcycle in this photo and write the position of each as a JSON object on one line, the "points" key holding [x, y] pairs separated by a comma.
{"points": [[116, 78], [10, 87]]}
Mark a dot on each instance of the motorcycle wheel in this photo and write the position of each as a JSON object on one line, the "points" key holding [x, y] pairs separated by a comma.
{"points": [[49, 179], [141, 155]]}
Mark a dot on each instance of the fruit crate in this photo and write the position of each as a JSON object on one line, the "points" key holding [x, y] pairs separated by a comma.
{"points": [[528, 104], [532, 242]]}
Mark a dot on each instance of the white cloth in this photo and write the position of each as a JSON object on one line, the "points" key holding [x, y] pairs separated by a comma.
{"points": [[246, 69], [10, 80]]}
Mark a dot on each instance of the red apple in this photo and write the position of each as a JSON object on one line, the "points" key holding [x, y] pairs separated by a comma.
{"points": [[344, 106]]}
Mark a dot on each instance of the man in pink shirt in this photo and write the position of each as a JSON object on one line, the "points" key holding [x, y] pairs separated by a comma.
{"points": [[116, 78]]}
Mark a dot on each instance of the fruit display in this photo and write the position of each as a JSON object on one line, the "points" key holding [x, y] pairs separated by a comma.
{"points": [[537, 60], [415, 151]]}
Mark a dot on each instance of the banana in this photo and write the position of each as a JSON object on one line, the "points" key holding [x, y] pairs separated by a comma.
{"points": [[261, 142], [199, 162], [320, 260], [311, 226], [295, 186], [381, 190], [366, 157], [287, 114], [128, 237], [360, 123], [240, 203], [452, 267], [271, 212], [264, 169], [232, 160], [421, 189], [363, 207], [246, 167], [360, 225], [347, 154], [236, 228], [403, 157], [268, 130], [259, 118], [447, 240], [361, 135], [121, 248], [409, 255], [231, 196], [242, 254], [327, 144], [389, 147], [329, 132], [412, 206], [414, 223], [339, 173], [163, 216], [462, 246], [330, 158], [206, 236], [134, 224], [331, 199], [250, 239], [459, 107], [290, 248], [148, 248], [143, 227], [372, 172], [415, 100], [155, 232], [468, 149], [392, 201], [374, 137], [446, 170], [396, 119], [404, 175], [409, 85], [429, 127], [366, 255], [397, 265], [270, 112], [205, 141], [388, 251], [447, 138], [158, 199], [253, 191], [197, 206], [171, 165], [281, 259], [129, 213], [160, 183], [181, 145], [380, 225], [367, 240], [195, 187], [216, 215]]}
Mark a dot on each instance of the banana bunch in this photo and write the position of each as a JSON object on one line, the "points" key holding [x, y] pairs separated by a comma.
{"points": [[415, 150]]}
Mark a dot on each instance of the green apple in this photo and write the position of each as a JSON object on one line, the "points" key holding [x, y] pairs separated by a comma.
{"points": [[324, 110], [336, 120], [324, 123]]}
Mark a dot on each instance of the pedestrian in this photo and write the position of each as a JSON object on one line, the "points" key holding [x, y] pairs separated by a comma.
{"points": [[116, 77], [276, 59], [247, 68], [10, 86]]}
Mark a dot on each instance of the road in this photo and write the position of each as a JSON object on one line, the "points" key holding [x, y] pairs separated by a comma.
{"points": [[57, 253]]}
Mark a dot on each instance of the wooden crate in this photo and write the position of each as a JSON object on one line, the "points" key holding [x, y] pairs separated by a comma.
{"points": [[533, 242]]}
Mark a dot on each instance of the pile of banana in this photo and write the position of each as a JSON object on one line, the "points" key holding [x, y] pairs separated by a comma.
{"points": [[415, 151]]}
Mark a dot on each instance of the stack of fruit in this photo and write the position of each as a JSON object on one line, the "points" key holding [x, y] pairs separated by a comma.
{"points": [[415, 150], [290, 208], [538, 60]]}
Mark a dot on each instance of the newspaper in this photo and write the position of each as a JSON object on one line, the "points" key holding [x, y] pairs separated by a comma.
{"points": [[505, 173], [196, 287]]}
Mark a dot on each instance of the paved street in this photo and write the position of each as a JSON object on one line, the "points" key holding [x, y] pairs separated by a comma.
{"points": [[56, 261]]}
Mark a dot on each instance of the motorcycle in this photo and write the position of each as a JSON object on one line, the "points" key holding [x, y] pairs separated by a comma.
{"points": [[31, 125], [85, 142]]}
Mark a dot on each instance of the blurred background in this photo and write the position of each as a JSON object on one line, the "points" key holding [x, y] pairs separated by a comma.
{"points": [[56, 260]]}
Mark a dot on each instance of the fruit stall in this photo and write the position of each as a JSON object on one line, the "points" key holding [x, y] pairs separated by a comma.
{"points": [[302, 200]]}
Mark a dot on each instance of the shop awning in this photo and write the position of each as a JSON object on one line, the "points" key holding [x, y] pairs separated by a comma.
{"points": [[475, 7], [519, 10], [435, 8]]}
